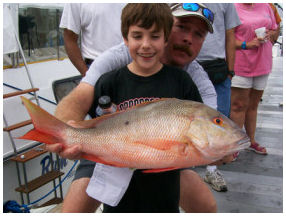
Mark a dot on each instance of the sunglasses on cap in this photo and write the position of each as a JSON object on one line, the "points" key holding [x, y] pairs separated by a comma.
{"points": [[194, 7]]}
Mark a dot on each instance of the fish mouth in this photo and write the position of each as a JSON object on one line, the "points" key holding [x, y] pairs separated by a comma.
{"points": [[214, 154], [243, 143], [233, 147]]}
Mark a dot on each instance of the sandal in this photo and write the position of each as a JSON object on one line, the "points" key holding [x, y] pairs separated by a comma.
{"points": [[257, 148], [235, 156]]}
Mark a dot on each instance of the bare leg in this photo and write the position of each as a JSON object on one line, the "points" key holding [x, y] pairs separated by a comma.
{"points": [[251, 113], [195, 196], [239, 105], [77, 199]]}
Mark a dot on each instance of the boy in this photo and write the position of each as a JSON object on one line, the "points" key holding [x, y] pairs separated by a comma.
{"points": [[145, 29]]}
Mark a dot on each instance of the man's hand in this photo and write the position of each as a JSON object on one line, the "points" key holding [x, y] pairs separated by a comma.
{"points": [[224, 160], [74, 106], [74, 152]]}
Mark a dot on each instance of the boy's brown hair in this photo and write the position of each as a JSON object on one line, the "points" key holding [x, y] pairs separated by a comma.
{"points": [[145, 15]]}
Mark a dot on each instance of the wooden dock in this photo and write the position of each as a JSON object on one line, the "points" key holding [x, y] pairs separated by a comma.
{"points": [[255, 182]]}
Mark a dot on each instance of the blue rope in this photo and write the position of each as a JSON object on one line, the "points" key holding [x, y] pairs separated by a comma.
{"points": [[13, 206], [32, 203]]}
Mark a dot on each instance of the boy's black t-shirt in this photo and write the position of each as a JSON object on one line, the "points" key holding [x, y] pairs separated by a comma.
{"points": [[150, 192], [127, 89]]}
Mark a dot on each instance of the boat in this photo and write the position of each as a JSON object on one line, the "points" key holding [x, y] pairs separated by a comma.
{"points": [[255, 182], [32, 63]]}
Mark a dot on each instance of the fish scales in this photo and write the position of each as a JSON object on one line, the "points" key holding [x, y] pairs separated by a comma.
{"points": [[169, 133], [144, 126]]}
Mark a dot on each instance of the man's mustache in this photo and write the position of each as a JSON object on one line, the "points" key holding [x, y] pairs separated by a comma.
{"points": [[183, 48]]}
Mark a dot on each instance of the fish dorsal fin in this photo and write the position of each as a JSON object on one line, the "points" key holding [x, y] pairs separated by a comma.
{"points": [[150, 102], [93, 122]]}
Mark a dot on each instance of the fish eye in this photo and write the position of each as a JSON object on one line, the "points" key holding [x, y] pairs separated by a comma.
{"points": [[218, 121]]}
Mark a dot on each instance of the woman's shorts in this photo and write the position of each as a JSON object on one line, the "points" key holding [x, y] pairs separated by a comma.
{"points": [[257, 83]]}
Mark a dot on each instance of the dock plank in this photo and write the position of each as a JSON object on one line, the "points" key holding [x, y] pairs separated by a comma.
{"points": [[255, 182]]}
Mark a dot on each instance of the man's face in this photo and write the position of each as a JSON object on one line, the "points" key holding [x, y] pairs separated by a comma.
{"points": [[185, 41]]}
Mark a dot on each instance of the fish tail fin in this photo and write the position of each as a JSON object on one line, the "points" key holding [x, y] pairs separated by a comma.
{"points": [[40, 137], [47, 128]]}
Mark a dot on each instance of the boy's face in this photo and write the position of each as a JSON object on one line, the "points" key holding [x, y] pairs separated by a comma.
{"points": [[146, 47], [186, 40]]}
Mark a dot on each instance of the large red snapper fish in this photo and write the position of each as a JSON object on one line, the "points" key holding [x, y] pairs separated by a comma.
{"points": [[158, 136]]}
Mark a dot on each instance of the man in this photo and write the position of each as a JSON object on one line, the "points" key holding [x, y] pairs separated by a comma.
{"points": [[217, 58], [187, 36], [90, 21]]}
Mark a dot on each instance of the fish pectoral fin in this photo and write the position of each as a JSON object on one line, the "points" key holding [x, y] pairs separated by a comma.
{"points": [[160, 144], [160, 170], [96, 159], [182, 149]]}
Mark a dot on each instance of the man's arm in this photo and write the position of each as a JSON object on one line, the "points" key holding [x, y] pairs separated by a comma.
{"points": [[111, 59], [74, 107], [76, 104], [230, 48], [203, 83], [73, 51]]}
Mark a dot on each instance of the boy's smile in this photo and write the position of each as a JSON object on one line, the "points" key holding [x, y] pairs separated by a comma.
{"points": [[146, 47], [147, 55]]}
